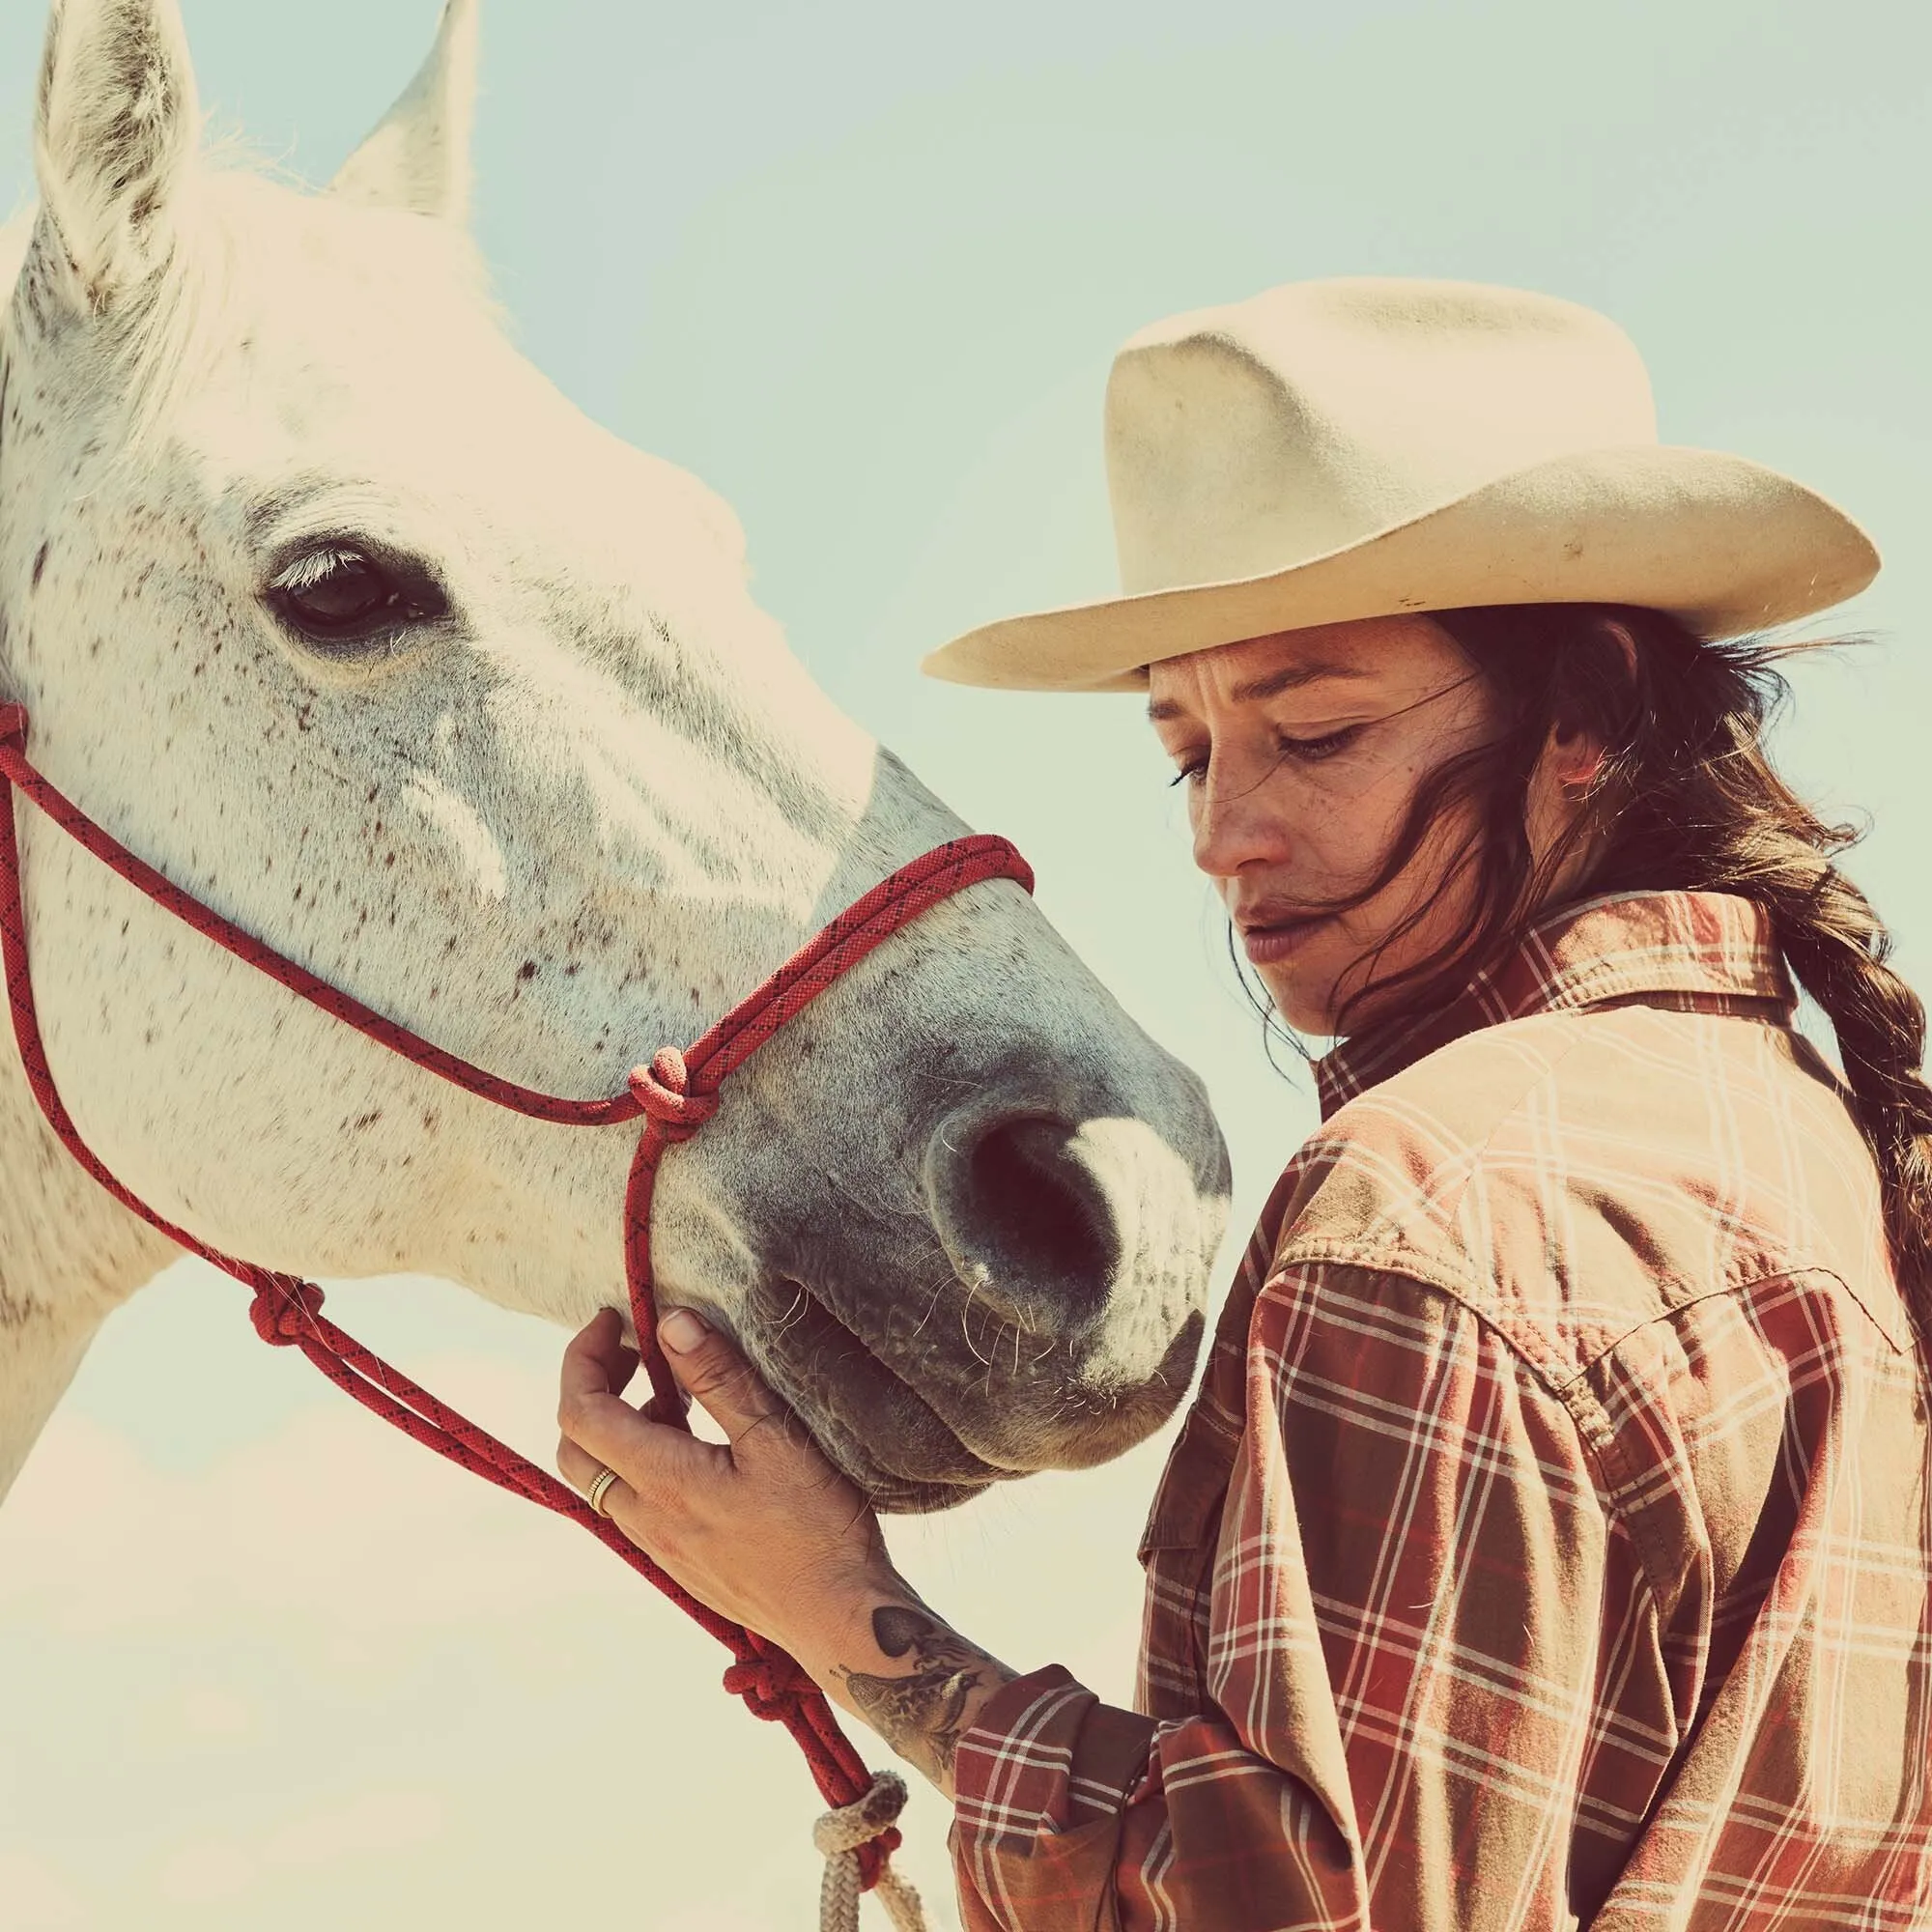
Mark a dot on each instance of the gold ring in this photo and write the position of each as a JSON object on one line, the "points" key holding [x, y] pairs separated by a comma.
{"points": [[599, 1489]]}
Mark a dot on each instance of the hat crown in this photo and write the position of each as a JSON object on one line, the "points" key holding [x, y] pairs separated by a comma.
{"points": [[1253, 437]]}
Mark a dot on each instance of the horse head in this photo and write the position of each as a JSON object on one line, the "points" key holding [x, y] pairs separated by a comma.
{"points": [[334, 610]]}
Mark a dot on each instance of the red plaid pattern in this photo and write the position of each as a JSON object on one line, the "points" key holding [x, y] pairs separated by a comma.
{"points": [[1550, 1541]]}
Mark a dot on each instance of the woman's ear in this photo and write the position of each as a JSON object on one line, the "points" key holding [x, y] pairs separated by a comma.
{"points": [[1554, 800], [1574, 756]]}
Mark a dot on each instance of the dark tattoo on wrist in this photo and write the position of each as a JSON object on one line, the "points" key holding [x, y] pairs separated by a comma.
{"points": [[922, 1713]]}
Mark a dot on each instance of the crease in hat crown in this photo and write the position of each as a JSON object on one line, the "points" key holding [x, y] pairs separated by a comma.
{"points": [[1353, 448]]}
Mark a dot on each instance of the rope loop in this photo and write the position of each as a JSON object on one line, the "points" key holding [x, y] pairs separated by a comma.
{"points": [[663, 1089], [772, 1687], [284, 1309], [840, 1836]]}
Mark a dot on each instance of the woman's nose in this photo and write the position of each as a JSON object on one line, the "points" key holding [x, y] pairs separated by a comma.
{"points": [[1235, 824]]}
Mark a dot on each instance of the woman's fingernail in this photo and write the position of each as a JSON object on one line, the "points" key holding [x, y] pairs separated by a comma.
{"points": [[681, 1331]]}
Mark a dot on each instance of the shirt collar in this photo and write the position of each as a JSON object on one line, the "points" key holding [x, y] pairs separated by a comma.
{"points": [[1710, 951]]}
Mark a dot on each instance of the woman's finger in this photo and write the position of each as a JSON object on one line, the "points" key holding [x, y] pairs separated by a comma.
{"points": [[601, 1341], [710, 1369], [579, 1468], [656, 1461]]}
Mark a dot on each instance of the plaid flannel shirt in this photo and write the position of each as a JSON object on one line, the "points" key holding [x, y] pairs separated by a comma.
{"points": [[1550, 1541]]}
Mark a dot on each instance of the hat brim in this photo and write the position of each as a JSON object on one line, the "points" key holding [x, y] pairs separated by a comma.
{"points": [[1721, 543]]}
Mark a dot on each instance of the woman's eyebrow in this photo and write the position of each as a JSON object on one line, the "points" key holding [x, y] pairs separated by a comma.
{"points": [[1289, 678]]}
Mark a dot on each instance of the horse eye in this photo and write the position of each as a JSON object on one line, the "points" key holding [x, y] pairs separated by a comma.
{"points": [[339, 595]]}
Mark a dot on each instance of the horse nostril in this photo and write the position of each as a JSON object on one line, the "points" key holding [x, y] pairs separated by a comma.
{"points": [[1033, 1211]]}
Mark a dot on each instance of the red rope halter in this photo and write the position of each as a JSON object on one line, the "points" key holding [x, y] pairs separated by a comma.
{"points": [[674, 1097]]}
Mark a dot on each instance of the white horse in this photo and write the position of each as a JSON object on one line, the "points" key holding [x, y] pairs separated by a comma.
{"points": [[327, 604]]}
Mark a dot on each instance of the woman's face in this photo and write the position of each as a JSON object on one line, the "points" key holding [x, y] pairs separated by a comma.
{"points": [[1300, 754]]}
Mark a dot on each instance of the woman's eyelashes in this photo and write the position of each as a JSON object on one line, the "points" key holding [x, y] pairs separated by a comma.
{"points": [[1313, 750]]}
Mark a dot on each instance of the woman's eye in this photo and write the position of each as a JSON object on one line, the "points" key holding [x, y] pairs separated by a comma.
{"points": [[1301, 751], [340, 595], [1311, 751]]}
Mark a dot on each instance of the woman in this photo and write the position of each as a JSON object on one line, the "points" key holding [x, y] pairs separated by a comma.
{"points": [[1549, 1542]]}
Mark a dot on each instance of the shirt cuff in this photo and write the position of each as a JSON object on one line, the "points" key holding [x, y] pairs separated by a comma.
{"points": [[1046, 1757]]}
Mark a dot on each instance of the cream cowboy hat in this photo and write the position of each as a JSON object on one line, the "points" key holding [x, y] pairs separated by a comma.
{"points": [[1341, 449]]}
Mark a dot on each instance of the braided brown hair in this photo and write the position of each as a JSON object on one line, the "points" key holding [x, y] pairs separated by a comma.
{"points": [[1687, 799]]}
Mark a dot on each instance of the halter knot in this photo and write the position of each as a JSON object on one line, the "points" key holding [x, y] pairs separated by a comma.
{"points": [[770, 1686], [663, 1089], [284, 1310]]}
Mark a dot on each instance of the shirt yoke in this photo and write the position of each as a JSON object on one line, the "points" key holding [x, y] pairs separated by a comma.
{"points": [[1574, 1176]]}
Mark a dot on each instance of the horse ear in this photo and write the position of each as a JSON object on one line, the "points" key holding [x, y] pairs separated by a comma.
{"points": [[418, 158], [116, 129]]}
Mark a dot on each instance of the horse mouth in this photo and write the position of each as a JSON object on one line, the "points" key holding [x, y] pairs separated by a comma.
{"points": [[883, 1435]]}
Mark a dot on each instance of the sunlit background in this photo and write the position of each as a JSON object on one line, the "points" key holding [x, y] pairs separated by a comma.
{"points": [[861, 266]]}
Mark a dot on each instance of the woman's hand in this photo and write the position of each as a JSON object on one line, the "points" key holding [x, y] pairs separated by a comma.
{"points": [[768, 1533], [763, 1529]]}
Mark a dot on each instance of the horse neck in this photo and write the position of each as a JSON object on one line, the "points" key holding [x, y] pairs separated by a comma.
{"points": [[69, 1254]]}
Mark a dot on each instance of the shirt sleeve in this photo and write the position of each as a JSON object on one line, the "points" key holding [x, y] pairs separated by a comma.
{"points": [[1435, 1696]]}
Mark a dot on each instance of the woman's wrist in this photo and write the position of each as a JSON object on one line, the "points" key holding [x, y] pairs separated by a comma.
{"points": [[895, 1666]]}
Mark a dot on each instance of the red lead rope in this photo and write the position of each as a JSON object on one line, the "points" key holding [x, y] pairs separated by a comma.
{"points": [[674, 1097]]}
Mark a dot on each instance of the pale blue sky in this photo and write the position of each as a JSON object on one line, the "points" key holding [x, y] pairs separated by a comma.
{"points": [[862, 267]]}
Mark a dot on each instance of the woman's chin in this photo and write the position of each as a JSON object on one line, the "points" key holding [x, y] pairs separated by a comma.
{"points": [[1306, 1010]]}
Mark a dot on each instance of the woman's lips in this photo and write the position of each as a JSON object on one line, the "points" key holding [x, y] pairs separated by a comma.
{"points": [[1268, 943]]}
